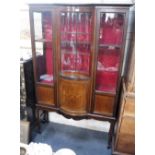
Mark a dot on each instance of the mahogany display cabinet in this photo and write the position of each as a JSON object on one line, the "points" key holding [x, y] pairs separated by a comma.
{"points": [[78, 53]]}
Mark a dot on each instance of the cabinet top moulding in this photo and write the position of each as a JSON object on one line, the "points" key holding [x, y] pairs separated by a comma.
{"points": [[80, 4]]}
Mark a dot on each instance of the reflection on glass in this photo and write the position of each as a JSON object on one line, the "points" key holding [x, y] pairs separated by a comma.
{"points": [[111, 28], [39, 48], [84, 23], [43, 47], [42, 26], [37, 24], [75, 42], [107, 69]]}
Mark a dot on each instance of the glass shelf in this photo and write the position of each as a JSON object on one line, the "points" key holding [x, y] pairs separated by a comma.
{"points": [[110, 46], [74, 42], [75, 52], [43, 40], [76, 37], [75, 33], [109, 69], [74, 75]]}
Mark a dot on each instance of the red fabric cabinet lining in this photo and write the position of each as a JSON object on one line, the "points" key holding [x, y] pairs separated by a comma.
{"points": [[111, 32], [106, 81], [109, 58]]}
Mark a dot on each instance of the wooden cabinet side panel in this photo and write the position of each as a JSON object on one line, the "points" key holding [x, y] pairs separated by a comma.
{"points": [[125, 133], [127, 126], [126, 143], [129, 107]]}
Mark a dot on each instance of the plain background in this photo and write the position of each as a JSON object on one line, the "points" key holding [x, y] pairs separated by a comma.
{"points": [[10, 77]]}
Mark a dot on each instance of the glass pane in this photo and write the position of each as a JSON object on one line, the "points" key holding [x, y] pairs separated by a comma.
{"points": [[68, 60], [84, 27], [43, 47], [83, 58], [47, 26], [106, 81], [84, 23], [44, 63], [42, 26], [37, 25], [75, 42], [107, 69], [68, 22], [111, 28]]}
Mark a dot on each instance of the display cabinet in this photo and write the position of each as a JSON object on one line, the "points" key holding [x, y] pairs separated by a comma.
{"points": [[77, 57]]}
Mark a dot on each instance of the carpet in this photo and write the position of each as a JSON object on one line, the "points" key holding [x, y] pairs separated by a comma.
{"points": [[82, 141]]}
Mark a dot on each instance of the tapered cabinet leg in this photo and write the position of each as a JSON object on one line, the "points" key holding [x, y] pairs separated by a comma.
{"points": [[38, 121], [34, 114], [111, 131], [45, 116], [47, 119]]}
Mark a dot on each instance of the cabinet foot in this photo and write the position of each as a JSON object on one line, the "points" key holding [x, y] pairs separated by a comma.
{"points": [[38, 121], [111, 131]]}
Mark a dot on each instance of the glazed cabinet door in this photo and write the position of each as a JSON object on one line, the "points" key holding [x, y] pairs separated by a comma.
{"points": [[109, 45], [41, 22], [75, 55]]}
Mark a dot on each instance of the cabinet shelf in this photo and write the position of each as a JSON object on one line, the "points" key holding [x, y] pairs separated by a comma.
{"points": [[76, 52], [43, 40], [75, 33], [74, 75], [106, 70], [74, 42], [110, 46], [41, 83], [104, 92]]}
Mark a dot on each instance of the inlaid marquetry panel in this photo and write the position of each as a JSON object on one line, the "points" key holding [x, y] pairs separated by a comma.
{"points": [[73, 97]]}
